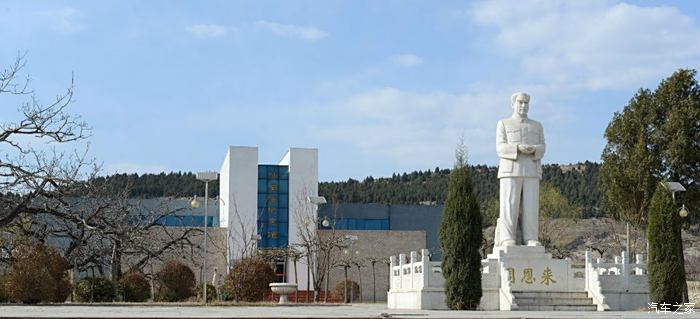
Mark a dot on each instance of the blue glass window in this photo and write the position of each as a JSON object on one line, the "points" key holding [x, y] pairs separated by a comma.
{"points": [[284, 186], [385, 224], [373, 224], [283, 215], [273, 186], [283, 229], [273, 205], [284, 172], [284, 200], [362, 224]]}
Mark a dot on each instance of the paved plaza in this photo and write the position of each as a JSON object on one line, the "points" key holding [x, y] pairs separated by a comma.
{"points": [[341, 311]]}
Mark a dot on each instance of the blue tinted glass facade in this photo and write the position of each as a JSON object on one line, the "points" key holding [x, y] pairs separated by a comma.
{"points": [[188, 221], [273, 206], [362, 224]]}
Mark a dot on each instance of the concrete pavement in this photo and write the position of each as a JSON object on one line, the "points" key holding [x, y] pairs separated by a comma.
{"points": [[341, 311]]}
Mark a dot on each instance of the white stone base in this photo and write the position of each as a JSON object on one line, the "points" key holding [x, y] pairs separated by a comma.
{"points": [[490, 299], [536, 270], [429, 299], [526, 275], [622, 301]]}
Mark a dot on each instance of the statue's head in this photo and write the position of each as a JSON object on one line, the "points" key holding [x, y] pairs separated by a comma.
{"points": [[520, 102]]}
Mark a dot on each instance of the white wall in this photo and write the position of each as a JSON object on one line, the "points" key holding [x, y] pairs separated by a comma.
{"points": [[303, 182], [239, 190], [224, 181]]}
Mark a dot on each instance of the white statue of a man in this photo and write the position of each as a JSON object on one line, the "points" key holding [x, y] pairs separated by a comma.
{"points": [[520, 146]]}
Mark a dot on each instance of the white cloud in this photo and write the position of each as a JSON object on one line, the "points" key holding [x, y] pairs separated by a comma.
{"points": [[210, 30], [129, 168], [593, 44], [415, 129], [63, 20], [309, 33], [406, 60]]}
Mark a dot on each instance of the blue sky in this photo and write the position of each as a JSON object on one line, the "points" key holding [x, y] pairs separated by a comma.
{"points": [[378, 86]]}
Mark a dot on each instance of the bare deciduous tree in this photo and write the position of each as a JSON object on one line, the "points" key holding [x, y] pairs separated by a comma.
{"points": [[317, 249], [31, 165]]}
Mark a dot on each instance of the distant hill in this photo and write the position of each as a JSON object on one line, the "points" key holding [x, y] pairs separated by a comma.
{"points": [[578, 182]]}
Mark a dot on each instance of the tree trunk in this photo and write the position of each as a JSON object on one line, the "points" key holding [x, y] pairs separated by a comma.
{"points": [[359, 275], [374, 284], [345, 285], [308, 278], [116, 262], [284, 269], [328, 277], [296, 281]]}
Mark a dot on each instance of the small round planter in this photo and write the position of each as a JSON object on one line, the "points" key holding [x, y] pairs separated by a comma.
{"points": [[283, 289]]}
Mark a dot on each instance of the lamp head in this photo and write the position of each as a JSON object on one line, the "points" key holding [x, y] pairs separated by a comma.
{"points": [[194, 203], [684, 212]]}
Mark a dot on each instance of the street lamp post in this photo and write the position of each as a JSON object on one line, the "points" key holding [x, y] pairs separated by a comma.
{"points": [[206, 177]]}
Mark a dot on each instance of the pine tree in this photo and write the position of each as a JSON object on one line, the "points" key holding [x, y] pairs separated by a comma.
{"points": [[666, 271], [460, 240]]}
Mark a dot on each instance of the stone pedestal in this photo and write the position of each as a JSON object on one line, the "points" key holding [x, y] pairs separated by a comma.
{"points": [[531, 269], [525, 269]]}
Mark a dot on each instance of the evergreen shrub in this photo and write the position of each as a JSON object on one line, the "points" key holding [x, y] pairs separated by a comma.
{"points": [[461, 239], [665, 266]]}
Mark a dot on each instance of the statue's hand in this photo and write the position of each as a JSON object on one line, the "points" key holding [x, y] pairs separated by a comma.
{"points": [[526, 149]]}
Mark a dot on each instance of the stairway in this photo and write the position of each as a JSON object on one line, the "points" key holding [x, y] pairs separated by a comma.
{"points": [[553, 300]]}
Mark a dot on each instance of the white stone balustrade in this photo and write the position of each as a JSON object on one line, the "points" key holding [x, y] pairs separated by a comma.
{"points": [[619, 285], [416, 283], [415, 274]]}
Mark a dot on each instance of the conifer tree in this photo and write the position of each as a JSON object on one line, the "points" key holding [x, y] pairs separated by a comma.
{"points": [[653, 138], [461, 239], [666, 271]]}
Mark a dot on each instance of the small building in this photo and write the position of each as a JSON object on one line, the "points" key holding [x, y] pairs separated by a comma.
{"points": [[269, 206], [266, 205]]}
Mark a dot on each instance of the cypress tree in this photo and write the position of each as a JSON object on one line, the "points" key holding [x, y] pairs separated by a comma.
{"points": [[665, 267], [461, 239]]}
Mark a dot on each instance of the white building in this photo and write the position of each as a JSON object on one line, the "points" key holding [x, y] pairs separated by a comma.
{"points": [[266, 205]]}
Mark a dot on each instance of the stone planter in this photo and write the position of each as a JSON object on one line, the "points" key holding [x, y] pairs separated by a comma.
{"points": [[283, 289]]}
